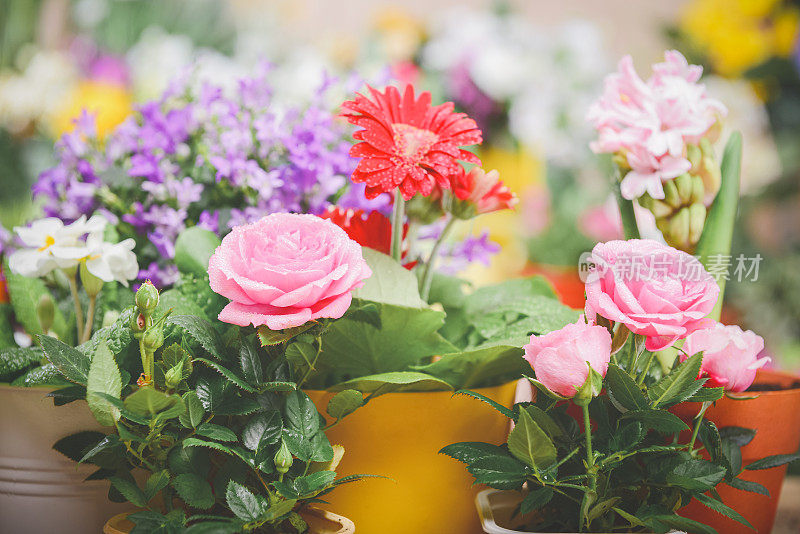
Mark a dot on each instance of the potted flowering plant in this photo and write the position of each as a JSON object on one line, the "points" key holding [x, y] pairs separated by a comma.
{"points": [[65, 282], [673, 173], [394, 357], [214, 434], [602, 437]]}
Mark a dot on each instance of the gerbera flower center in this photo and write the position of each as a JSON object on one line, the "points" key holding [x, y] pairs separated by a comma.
{"points": [[413, 143]]}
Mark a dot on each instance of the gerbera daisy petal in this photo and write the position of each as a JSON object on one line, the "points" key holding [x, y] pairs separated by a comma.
{"points": [[406, 142]]}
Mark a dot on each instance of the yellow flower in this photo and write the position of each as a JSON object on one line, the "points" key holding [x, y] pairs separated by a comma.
{"points": [[740, 34], [400, 33], [110, 103]]}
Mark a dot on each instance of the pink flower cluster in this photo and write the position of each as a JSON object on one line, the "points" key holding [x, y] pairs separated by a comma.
{"points": [[650, 123]]}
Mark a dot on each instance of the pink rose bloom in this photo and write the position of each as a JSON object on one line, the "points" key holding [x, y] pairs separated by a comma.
{"points": [[730, 355], [285, 270], [653, 289], [561, 359], [651, 122]]}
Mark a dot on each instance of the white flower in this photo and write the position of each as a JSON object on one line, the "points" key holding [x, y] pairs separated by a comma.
{"points": [[52, 245], [110, 261]]}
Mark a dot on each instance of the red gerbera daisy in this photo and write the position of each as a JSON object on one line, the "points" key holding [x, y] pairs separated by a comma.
{"points": [[484, 191], [407, 143], [372, 230]]}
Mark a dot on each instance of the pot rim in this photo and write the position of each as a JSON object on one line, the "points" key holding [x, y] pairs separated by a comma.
{"points": [[451, 392]]}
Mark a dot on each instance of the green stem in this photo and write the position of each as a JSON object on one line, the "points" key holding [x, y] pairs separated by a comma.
{"points": [[646, 368], [397, 226], [311, 365], [627, 213], [87, 331], [698, 420], [427, 276], [587, 428], [76, 300]]}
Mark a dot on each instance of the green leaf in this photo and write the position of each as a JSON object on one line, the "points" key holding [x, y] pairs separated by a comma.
{"points": [[103, 377], [217, 432], [193, 248], [148, 401], [544, 421], [737, 435], [530, 444], [723, 509], [180, 304], [301, 413], [494, 404], [251, 363], [242, 502], [194, 410], [396, 381], [269, 337], [662, 523], [200, 330], [535, 499], [707, 395], [365, 312], [623, 390], [155, 483], [747, 485], [75, 446], [194, 490], [504, 472], [227, 373], [263, 429], [24, 294], [344, 403], [696, 475], [314, 483], [478, 367], [72, 363], [772, 461], [390, 283], [717, 233], [15, 359], [233, 451], [279, 509], [469, 452], [130, 491], [408, 336], [680, 384], [659, 420]]}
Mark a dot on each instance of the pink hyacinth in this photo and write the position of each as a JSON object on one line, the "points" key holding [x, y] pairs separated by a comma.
{"points": [[730, 355], [653, 289], [285, 270], [650, 123], [561, 359]]}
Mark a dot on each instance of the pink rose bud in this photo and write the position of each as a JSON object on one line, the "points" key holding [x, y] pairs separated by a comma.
{"points": [[730, 355], [561, 359], [653, 289], [285, 270]]}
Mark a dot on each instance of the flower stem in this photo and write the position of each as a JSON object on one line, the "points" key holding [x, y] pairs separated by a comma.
{"points": [[427, 276], [397, 226], [626, 212], [646, 368], [697, 421], [87, 331], [73, 289], [587, 428]]}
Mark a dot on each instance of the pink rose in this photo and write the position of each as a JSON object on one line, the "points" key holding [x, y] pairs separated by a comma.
{"points": [[285, 270], [653, 289], [730, 355], [561, 359]]}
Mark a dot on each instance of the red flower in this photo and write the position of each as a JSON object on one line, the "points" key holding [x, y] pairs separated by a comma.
{"points": [[484, 190], [407, 143], [372, 230]]}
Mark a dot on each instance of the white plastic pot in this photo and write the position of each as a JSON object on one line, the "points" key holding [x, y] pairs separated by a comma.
{"points": [[42, 491]]}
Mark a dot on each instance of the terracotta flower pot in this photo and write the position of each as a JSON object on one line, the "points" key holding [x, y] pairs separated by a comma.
{"points": [[399, 435], [38, 486], [319, 522], [567, 283], [775, 415]]}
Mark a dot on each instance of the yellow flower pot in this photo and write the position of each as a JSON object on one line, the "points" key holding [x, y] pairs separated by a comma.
{"points": [[399, 435]]}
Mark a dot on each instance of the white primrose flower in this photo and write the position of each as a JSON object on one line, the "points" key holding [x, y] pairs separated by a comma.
{"points": [[111, 261], [50, 244]]}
